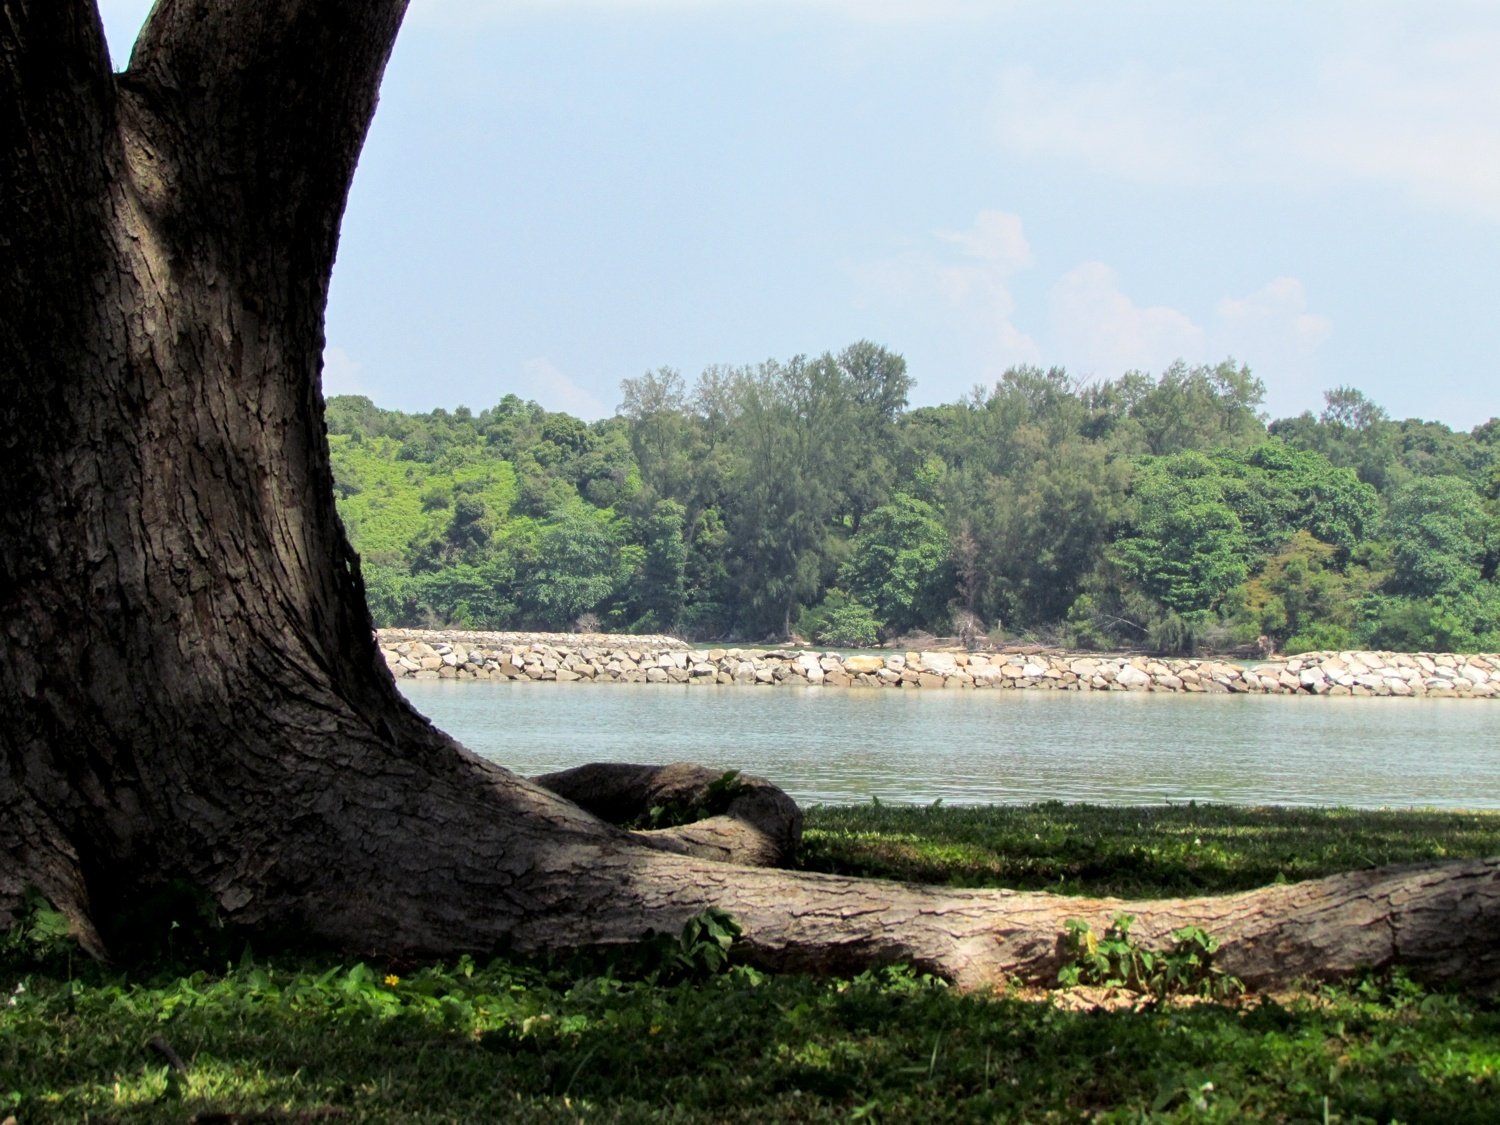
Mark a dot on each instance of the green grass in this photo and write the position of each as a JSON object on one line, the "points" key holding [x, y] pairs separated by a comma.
{"points": [[301, 1041], [1133, 851]]}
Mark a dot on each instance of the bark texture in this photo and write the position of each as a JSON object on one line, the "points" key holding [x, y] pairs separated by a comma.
{"points": [[189, 682], [731, 817]]}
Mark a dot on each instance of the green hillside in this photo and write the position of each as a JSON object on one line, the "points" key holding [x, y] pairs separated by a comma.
{"points": [[805, 497]]}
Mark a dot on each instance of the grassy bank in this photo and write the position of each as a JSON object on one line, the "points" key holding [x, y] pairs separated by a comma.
{"points": [[298, 1041], [1152, 851]]}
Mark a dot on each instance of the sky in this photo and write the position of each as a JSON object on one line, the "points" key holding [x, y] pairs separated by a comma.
{"points": [[560, 194]]}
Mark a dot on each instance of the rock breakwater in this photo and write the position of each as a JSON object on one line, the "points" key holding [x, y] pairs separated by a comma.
{"points": [[599, 658]]}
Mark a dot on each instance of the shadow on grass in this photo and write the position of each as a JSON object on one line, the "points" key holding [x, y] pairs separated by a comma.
{"points": [[1134, 851], [501, 1044], [311, 1040]]}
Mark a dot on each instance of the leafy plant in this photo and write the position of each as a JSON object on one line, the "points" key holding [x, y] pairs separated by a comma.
{"points": [[706, 940], [701, 950], [715, 801], [1116, 960], [1188, 967], [42, 937]]}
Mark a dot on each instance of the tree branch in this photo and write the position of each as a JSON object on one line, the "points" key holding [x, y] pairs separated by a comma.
{"points": [[47, 46], [54, 88], [278, 93], [58, 149]]}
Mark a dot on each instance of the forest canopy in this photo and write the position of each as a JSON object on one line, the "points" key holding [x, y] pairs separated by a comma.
{"points": [[805, 497]]}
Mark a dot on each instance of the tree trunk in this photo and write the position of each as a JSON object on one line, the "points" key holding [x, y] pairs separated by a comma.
{"points": [[189, 679]]}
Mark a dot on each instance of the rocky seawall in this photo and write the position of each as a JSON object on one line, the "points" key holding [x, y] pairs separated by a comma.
{"points": [[598, 658]]}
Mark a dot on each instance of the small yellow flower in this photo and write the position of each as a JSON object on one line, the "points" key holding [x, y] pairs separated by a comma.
{"points": [[655, 1029], [392, 980]]}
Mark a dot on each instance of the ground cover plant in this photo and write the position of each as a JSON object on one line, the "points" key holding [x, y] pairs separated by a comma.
{"points": [[683, 1033]]}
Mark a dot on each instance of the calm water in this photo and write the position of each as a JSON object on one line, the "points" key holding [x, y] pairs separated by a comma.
{"points": [[999, 747]]}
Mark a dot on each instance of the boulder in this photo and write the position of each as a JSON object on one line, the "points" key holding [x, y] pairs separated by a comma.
{"points": [[942, 663]]}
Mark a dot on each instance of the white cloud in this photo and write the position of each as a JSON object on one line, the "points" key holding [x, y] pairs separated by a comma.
{"points": [[1400, 96], [974, 282], [1414, 108], [548, 385], [1273, 331], [1094, 326], [1133, 125], [1099, 330], [996, 238], [1278, 308], [995, 248], [341, 374]]}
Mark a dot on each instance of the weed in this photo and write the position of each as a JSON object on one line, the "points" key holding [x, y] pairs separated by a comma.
{"points": [[715, 801], [1116, 960], [700, 951], [41, 940]]}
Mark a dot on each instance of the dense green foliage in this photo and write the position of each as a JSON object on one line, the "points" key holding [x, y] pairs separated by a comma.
{"points": [[805, 497], [683, 1037]]}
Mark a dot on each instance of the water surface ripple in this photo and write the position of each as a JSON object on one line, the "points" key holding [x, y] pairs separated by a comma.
{"points": [[999, 747]]}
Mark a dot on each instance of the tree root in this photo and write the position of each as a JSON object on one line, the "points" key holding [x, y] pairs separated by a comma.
{"points": [[731, 817]]}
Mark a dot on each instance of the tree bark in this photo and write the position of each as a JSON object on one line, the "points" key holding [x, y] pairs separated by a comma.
{"points": [[189, 679], [731, 817]]}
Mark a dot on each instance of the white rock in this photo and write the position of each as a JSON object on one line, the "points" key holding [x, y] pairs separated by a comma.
{"points": [[942, 663]]}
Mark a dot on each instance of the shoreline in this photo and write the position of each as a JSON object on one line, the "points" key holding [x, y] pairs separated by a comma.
{"points": [[439, 654]]}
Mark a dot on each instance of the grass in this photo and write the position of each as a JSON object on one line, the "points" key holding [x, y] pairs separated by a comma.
{"points": [[506, 1041], [1133, 851]]}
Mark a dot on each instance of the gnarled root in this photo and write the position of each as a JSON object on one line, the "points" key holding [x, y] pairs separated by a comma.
{"points": [[748, 820]]}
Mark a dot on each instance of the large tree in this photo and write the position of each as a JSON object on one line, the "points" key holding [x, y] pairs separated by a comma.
{"points": [[188, 681]]}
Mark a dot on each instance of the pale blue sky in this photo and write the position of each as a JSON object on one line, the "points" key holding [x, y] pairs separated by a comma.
{"points": [[560, 194]]}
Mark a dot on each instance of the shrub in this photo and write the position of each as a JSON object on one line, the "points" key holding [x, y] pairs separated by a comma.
{"points": [[842, 620]]}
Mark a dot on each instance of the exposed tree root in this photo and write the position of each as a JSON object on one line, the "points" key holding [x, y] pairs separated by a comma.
{"points": [[733, 817], [1439, 922]]}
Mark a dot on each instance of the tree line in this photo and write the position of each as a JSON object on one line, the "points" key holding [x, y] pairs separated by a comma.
{"points": [[804, 497]]}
